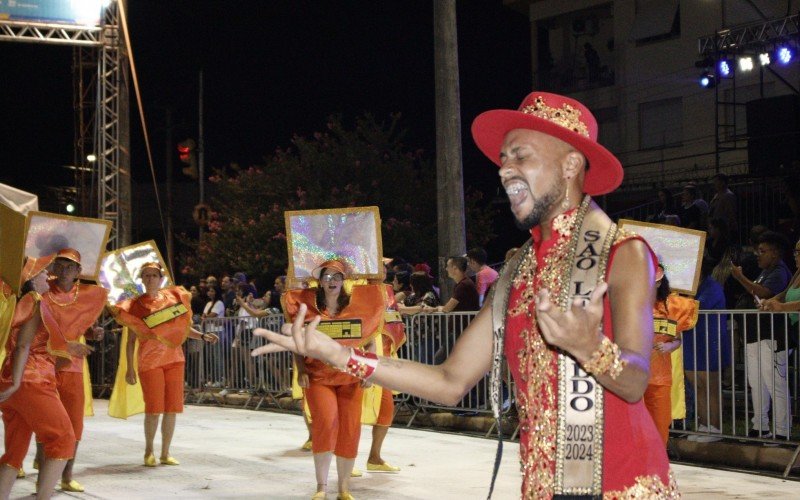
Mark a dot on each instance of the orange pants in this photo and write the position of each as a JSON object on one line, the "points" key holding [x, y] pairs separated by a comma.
{"points": [[658, 401], [335, 418], [36, 408], [162, 389], [386, 413], [70, 391]]}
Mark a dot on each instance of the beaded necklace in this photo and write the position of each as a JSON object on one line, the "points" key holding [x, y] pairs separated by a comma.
{"points": [[65, 304]]}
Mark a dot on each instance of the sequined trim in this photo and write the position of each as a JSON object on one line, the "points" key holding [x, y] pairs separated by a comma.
{"points": [[567, 116], [538, 408], [524, 279], [606, 360], [624, 234], [647, 487]]}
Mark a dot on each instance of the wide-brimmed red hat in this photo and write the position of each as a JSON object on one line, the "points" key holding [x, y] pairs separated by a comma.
{"points": [[336, 265], [557, 116], [35, 265]]}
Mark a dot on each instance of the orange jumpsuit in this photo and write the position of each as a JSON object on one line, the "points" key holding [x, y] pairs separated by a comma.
{"points": [[161, 358], [334, 397], [75, 312], [675, 316], [35, 406]]}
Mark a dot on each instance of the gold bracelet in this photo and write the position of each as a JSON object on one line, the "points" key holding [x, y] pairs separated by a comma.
{"points": [[606, 360]]}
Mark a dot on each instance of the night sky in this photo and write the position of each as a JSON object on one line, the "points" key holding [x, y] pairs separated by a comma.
{"points": [[272, 69]]}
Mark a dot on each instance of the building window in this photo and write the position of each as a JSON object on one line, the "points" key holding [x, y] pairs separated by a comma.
{"points": [[656, 20], [608, 127], [661, 123]]}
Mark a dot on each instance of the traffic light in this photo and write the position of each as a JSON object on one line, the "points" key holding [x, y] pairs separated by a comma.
{"points": [[187, 150]]}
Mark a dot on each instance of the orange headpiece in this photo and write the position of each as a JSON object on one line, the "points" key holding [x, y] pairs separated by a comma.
{"points": [[69, 254], [152, 265], [336, 265], [35, 265]]}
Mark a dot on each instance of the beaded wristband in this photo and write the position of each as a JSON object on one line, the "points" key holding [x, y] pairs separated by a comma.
{"points": [[361, 364], [606, 360]]}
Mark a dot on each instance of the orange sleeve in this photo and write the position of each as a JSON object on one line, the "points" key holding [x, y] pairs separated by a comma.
{"points": [[24, 310], [684, 311]]}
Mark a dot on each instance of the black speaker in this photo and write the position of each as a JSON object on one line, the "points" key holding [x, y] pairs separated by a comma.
{"points": [[773, 129]]}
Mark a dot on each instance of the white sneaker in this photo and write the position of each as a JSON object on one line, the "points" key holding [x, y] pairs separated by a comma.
{"points": [[707, 439]]}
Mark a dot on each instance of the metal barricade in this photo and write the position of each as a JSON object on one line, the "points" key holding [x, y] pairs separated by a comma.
{"points": [[741, 380], [741, 370]]}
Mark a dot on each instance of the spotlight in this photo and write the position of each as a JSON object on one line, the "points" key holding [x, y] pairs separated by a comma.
{"points": [[784, 55], [764, 59], [70, 208], [707, 80], [725, 68], [746, 63]]}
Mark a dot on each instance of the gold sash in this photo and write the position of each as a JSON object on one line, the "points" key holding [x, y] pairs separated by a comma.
{"points": [[579, 443]]}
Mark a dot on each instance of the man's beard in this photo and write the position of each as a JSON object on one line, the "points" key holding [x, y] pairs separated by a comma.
{"points": [[540, 208]]}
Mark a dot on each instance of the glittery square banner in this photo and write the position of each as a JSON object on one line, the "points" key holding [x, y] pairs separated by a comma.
{"points": [[120, 269], [48, 233], [679, 250], [351, 234]]}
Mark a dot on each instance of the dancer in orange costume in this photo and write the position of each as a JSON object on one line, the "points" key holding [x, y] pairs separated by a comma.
{"points": [[333, 397], [672, 315], [162, 320], [28, 395], [393, 336], [75, 307]]}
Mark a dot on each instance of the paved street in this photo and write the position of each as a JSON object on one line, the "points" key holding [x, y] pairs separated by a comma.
{"points": [[232, 453]]}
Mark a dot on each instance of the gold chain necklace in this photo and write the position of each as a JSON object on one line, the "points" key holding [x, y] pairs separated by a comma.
{"points": [[65, 304]]}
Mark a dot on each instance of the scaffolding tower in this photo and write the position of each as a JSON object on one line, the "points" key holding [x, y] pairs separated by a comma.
{"points": [[100, 83]]}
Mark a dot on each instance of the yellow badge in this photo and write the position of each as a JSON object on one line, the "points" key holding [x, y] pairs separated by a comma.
{"points": [[341, 329], [664, 326], [164, 315], [392, 317]]}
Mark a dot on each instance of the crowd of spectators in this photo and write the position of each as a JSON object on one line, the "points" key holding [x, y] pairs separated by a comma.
{"points": [[756, 274]]}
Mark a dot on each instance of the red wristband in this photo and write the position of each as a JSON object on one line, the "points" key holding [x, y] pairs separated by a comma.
{"points": [[361, 364]]}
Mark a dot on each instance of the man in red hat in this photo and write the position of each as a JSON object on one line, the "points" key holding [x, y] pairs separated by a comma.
{"points": [[571, 312], [76, 307]]}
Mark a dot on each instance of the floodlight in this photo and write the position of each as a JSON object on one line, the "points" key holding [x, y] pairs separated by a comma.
{"points": [[707, 80], [784, 55], [725, 67], [746, 63]]}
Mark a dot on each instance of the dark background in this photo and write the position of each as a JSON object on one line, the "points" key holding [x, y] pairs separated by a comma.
{"points": [[272, 70]]}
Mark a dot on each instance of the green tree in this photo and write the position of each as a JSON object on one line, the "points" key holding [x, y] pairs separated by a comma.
{"points": [[367, 164]]}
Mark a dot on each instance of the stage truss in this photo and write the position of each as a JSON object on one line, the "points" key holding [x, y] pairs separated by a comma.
{"points": [[727, 43], [99, 50]]}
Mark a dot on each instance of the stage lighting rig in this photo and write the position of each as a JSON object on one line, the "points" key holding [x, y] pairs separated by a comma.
{"points": [[784, 54], [725, 67], [745, 63], [707, 80]]}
